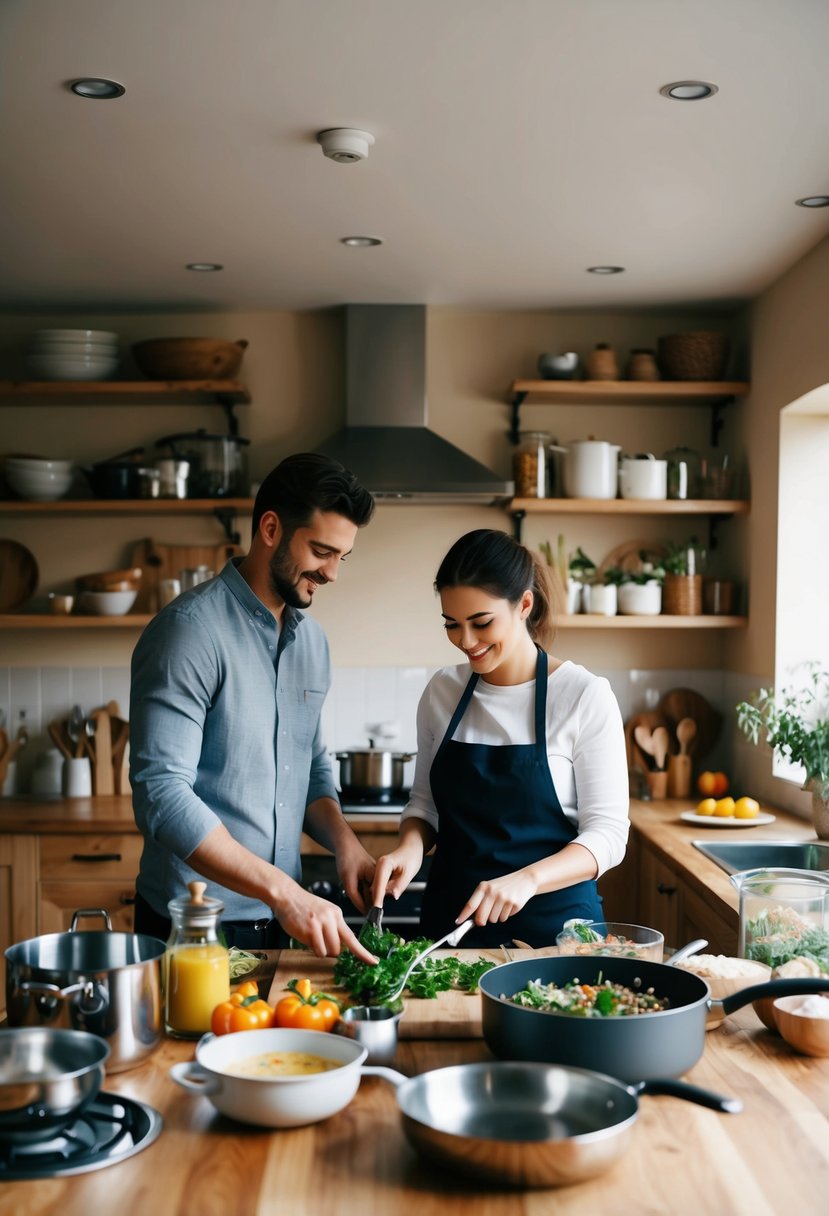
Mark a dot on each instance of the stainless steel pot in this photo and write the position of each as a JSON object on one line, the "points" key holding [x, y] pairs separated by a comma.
{"points": [[373, 771], [648, 1046], [47, 1078], [217, 463], [104, 983], [529, 1125]]}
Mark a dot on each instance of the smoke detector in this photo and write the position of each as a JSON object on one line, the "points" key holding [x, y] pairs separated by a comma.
{"points": [[345, 145]]}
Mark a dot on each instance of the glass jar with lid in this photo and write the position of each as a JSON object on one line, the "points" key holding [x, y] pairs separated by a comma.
{"points": [[197, 965], [784, 914], [532, 465]]}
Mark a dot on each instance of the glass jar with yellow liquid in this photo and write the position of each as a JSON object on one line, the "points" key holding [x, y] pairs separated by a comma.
{"points": [[197, 965]]}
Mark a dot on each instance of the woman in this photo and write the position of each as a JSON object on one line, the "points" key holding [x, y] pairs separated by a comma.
{"points": [[521, 774]]}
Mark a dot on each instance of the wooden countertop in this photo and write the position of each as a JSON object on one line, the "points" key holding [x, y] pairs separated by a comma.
{"points": [[771, 1159]]}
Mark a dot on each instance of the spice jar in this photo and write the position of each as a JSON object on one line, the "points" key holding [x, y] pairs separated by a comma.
{"points": [[531, 465], [602, 363], [197, 965], [642, 365]]}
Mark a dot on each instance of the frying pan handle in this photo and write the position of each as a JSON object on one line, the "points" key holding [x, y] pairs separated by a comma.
{"points": [[773, 988], [388, 1074], [691, 1093]]}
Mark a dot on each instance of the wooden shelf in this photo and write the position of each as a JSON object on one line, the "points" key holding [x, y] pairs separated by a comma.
{"points": [[122, 392], [629, 506], [45, 620], [127, 506], [634, 392], [663, 621]]}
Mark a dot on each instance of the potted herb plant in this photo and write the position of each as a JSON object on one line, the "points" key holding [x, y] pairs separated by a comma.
{"points": [[683, 579], [639, 591], [795, 724]]}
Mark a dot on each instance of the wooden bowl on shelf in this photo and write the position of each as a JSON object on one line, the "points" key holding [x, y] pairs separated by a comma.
{"points": [[189, 358]]}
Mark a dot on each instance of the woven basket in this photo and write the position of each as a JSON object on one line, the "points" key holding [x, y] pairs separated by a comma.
{"points": [[698, 355], [682, 595]]}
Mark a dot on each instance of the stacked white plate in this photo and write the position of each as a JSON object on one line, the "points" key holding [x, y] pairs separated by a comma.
{"points": [[72, 354]]}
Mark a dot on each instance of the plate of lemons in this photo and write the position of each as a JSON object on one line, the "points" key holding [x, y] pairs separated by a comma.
{"points": [[727, 812]]}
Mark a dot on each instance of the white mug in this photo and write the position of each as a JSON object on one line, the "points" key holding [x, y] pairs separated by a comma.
{"points": [[77, 777]]}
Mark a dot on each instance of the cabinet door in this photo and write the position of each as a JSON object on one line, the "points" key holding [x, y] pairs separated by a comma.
{"points": [[88, 872], [18, 897], [697, 919], [619, 887], [659, 896], [59, 901]]}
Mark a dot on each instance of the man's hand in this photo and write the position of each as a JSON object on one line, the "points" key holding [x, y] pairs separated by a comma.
{"points": [[319, 924]]}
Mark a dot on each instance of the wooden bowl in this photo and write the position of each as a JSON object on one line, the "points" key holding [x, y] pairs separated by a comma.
{"points": [[111, 580], [808, 1035], [189, 358], [722, 986]]}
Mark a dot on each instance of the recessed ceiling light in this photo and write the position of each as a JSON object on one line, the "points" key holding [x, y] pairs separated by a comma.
{"points": [[361, 242], [204, 266], [97, 88], [605, 270], [689, 90], [813, 200]]}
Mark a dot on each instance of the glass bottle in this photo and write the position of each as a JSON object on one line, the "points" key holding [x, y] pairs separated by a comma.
{"points": [[197, 965], [531, 464], [684, 473]]}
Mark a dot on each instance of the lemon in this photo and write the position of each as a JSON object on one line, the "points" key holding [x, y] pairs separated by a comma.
{"points": [[746, 808], [706, 807], [724, 808]]}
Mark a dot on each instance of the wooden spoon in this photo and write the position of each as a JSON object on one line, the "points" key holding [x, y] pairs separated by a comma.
{"points": [[644, 739], [686, 732], [58, 738], [661, 741]]}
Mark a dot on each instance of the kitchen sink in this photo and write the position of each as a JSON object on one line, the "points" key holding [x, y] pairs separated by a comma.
{"points": [[734, 855]]}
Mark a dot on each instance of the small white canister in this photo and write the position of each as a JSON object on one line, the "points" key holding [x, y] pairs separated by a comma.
{"points": [[643, 476]]}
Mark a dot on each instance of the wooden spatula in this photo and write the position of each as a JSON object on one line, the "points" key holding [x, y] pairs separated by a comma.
{"points": [[104, 782]]}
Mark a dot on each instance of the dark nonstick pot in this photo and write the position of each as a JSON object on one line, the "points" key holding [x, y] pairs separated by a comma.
{"points": [[527, 1125], [646, 1046]]}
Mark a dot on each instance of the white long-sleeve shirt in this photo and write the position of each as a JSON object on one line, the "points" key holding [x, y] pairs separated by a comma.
{"points": [[585, 746]]}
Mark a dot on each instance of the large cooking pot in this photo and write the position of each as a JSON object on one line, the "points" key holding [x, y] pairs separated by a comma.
{"points": [[47, 1078], [591, 468], [530, 1125], [218, 463], [645, 1046], [372, 771], [117, 477], [105, 983]]}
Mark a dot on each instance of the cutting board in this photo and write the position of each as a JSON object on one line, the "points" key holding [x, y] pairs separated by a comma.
{"points": [[159, 561], [449, 1015]]}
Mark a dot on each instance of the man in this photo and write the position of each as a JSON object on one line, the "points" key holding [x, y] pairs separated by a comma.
{"points": [[228, 765]]}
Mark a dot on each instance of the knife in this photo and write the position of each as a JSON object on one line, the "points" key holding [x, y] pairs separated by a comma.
{"points": [[374, 920]]}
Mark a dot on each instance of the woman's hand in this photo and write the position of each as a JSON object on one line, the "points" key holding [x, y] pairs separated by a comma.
{"points": [[355, 867], [395, 870], [497, 899]]}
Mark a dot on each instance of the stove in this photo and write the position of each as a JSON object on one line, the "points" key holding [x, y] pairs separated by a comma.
{"points": [[369, 802], [111, 1129]]}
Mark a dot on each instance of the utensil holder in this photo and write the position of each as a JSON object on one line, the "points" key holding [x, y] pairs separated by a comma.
{"points": [[77, 777], [657, 784], [679, 776]]}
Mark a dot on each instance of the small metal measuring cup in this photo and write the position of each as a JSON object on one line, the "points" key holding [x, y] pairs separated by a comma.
{"points": [[375, 1028]]}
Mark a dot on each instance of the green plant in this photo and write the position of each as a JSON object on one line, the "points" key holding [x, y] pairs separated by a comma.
{"points": [[646, 573], [683, 559], [795, 723], [581, 568]]}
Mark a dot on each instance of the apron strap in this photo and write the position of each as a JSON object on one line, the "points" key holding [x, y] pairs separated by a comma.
{"points": [[460, 710], [541, 706]]}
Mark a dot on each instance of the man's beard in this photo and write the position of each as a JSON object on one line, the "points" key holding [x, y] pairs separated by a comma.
{"points": [[285, 578]]}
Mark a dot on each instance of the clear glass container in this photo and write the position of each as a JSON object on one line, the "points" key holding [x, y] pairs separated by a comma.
{"points": [[196, 965], [532, 465], [684, 473], [783, 914]]}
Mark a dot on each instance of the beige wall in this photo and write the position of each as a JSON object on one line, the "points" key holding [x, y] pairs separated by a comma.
{"points": [[383, 612]]}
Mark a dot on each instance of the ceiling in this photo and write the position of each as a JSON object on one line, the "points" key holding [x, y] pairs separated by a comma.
{"points": [[517, 143]]}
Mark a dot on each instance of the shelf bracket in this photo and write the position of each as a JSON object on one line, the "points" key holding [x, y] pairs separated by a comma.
{"points": [[717, 419], [514, 430], [227, 519], [713, 521], [517, 521], [227, 405]]}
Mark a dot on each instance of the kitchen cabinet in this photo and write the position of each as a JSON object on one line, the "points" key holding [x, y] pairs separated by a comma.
{"points": [[667, 902], [227, 393], [87, 872]]}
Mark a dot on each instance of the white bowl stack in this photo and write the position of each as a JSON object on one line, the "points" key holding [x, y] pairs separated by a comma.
{"points": [[72, 354], [38, 480]]}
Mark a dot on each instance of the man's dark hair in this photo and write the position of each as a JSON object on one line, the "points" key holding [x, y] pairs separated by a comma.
{"points": [[309, 482]]}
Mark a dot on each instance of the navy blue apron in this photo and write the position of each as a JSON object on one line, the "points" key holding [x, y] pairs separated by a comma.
{"points": [[499, 811]]}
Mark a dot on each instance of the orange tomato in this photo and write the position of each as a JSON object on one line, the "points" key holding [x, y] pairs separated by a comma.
{"points": [[305, 1009], [712, 785]]}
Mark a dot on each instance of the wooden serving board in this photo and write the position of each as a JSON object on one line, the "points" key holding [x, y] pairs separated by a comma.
{"points": [[159, 561], [449, 1015]]}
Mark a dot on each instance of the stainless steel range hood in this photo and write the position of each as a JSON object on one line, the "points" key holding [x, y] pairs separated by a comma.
{"points": [[386, 441]]}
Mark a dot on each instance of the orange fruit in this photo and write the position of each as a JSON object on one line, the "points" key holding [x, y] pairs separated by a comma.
{"points": [[706, 807], [724, 808], [746, 808], [712, 785]]}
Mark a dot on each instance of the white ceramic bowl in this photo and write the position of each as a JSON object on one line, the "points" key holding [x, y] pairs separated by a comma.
{"points": [[38, 464], [75, 335], [273, 1101], [93, 350], [38, 485], [640, 599], [108, 603], [71, 367]]}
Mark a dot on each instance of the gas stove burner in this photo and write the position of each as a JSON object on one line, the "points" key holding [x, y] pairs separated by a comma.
{"points": [[111, 1129]]}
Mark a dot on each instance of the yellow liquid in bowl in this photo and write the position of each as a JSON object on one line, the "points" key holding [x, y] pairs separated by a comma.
{"points": [[198, 979]]}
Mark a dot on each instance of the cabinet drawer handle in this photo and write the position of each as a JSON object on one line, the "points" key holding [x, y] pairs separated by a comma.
{"points": [[663, 889], [126, 899], [97, 857]]}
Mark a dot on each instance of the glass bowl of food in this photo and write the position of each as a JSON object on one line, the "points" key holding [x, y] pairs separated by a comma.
{"points": [[610, 938]]}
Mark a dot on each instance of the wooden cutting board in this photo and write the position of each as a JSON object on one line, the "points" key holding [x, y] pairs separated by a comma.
{"points": [[159, 561], [450, 1015]]}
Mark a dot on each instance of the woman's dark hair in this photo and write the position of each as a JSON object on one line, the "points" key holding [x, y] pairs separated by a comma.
{"points": [[503, 568], [309, 482]]}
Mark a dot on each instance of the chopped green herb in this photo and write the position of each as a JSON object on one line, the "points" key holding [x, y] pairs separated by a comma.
{"points": [[371, 985]]}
